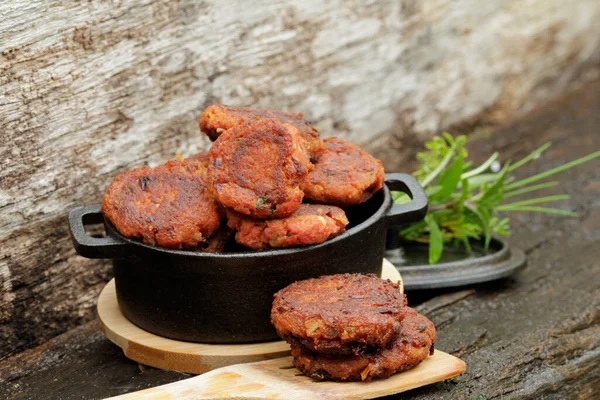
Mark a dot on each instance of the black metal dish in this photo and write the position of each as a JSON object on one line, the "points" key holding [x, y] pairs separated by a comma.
{"points": [[457, 267], [226, 298]]}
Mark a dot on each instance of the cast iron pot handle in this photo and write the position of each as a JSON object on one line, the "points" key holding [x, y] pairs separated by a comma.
{"points": [[412, 211], [92, 247]]}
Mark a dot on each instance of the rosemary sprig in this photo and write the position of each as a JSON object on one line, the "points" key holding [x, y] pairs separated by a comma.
{"points": [[466, 203]]}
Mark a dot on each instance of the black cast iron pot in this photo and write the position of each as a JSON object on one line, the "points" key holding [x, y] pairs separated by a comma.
{"points": [[226, 298]]}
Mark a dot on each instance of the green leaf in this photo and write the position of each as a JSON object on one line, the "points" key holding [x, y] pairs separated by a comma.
{"points": [[439, 168], [449, 138], [465, 242], [461, 140], [530, 189], [449, 181], [483, 217], [494, 194], [546, 210], [481, 168], [546, 199], [400, 197], [464, 195], [487, 230], [500, 226], [483, 179], [553, 171], [534, 154], [436, 242], [429, 160], [431, 190], [413, 229]]}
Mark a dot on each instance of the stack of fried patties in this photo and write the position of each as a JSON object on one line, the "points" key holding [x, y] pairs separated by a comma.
{"points": [[351, 327], [264, 164], [268, 177]]}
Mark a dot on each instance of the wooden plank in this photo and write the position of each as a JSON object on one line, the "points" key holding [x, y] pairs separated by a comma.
{"points": [[88, 89], [278, 378]]}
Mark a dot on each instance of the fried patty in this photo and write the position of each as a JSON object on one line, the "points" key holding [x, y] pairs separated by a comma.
{"points": [[168, 206], [217, 242], [201, 157], [258, 168], [310, 224], [218, 118], [339, 314], [343, 175], [412, 345]]}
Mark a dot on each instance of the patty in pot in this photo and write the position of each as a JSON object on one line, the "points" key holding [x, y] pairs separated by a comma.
{"points": [[258, 168], [344, 175], [218, 118], [310, 224], [169, 205]]}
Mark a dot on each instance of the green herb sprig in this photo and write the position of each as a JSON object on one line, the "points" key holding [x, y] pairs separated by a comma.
{"points": [[466, 202]]}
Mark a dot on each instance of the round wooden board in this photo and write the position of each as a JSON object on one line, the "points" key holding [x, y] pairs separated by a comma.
{"points": [[194, 358]]}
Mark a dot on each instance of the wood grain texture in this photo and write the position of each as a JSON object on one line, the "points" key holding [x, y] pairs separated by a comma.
{"points": [[89, 89], [278, 379], [193, 358]]}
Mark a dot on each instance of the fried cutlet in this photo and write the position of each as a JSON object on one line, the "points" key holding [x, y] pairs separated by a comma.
{"points": [[201, 157], [339, 314], [413, 344], [218, 118], [168, 206], [218, 242], [257, 168], [310, 224], [344, 175]]}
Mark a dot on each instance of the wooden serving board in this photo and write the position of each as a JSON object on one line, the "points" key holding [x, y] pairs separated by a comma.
{"points": [[194, 358], [278, 379]]}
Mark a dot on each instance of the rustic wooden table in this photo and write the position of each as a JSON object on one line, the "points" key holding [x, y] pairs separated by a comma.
{"points": [[535, 335]]}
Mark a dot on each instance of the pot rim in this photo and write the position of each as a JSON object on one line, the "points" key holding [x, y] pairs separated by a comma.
{"points": [[377, 216]]}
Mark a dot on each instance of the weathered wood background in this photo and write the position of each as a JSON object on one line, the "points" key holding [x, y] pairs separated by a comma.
{"points": [[88, 89]]}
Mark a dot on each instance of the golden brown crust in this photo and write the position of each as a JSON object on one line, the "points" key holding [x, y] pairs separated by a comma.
{"points": [[340, 314], [218, 118], [168, 206], [344, 175], [258, 168], [412, 345], [201, 157], [310, 224]]}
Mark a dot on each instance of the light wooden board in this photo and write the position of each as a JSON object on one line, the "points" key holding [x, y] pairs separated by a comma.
{"points": [[195, 358], [278, 379]]}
